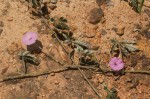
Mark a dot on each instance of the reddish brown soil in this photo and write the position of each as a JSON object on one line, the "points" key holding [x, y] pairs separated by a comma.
{"points": [[70, 84]]}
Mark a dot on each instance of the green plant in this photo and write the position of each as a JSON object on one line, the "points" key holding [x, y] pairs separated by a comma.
{"points": [[123, 47], [26, 57], [137, 5], [111, 93]]}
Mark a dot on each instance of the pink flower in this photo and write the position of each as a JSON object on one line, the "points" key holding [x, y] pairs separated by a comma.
{"points": [[116, 64], [29, 38]]}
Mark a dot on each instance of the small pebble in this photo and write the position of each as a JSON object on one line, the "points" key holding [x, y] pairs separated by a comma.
{"points": [[96, 15], [10, 19], [120, 31], [52, 74], [1, 24], [56, 82], [54, 1], [52, 6]]}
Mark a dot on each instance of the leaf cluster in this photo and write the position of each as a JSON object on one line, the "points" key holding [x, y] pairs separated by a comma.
{"points": [[64, 33], [124, 47], [137, 5], [111, 93], [29, 58]]}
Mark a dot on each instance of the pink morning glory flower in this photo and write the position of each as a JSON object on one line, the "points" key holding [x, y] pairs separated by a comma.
{"points": [[29, 38], [116, 64]]}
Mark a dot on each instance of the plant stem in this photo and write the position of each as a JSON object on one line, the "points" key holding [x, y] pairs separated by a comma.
{"points": [[53, 59], [50, 57], [25, 65], [65, 68]]}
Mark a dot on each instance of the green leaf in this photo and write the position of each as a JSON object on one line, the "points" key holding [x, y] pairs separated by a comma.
{"points": [[131, 47], [62, 19], [137, 5], [113, 48], [128, 42], [126, 46], [112, 94], [140, 6], [35, 2], [134, 4], [82, 44], [30, 58], [65, 36], [88, 52], [124, 50], [52, 20], [106, 89], [62, 26], [79, 48]]}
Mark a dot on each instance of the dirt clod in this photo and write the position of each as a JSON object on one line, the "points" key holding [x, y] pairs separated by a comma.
{"points": [[52, 6], [120, 31], [96, 15]]}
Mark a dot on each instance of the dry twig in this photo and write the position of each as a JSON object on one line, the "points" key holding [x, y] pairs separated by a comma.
{"points": [[36, 74], [65, 68]]}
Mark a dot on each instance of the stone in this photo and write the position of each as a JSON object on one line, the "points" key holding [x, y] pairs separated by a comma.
{"points": [[53, 1], [96, 15], [52, 74], [52, 6], [120, 31]]}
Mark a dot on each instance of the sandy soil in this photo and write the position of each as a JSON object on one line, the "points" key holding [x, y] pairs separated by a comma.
{"points": [[70, 84]]}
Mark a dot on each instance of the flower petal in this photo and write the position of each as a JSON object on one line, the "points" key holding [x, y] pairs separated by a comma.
{"points": [[119, 61], [116, 64], [29, 38], [114, 59]]}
